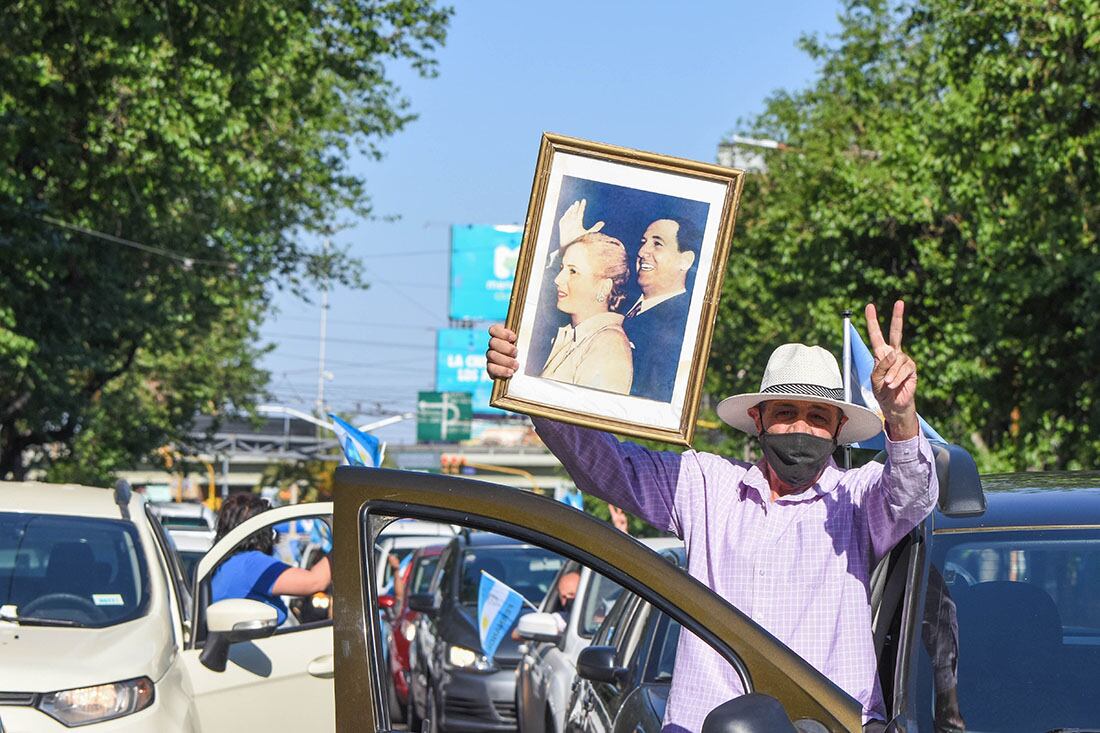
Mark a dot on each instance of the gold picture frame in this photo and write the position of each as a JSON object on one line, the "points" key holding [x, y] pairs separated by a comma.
{"points": [[623, 353]]}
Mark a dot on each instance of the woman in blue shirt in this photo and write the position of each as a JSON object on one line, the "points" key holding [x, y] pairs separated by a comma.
{"points": [[252, 571]]}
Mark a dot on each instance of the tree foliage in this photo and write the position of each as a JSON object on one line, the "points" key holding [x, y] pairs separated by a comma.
{"points": [[947, 154], [203, 141]]}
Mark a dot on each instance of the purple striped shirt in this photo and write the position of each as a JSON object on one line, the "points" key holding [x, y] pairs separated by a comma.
{"points": [[798, 566]]}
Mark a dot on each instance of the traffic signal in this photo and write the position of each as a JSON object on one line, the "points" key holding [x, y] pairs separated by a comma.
{"points": [[451, 462]]}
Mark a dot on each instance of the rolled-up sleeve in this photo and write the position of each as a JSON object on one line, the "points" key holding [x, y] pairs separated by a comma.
{"points": [[900, 494], [640, 480]]}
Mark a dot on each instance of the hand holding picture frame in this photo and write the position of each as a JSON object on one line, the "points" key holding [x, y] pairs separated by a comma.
{"points": [[617, 288]]}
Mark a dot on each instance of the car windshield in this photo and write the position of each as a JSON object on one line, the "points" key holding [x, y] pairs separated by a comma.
{"points": [[73, 571], [527, 570], [1011, 632]]}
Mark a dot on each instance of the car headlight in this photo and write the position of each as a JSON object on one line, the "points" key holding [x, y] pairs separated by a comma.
{"points": [[460, 656], [410, 631], [95, 704]]}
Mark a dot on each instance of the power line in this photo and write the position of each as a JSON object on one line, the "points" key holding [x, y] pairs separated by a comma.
{"points": [[359, 342], [186, 261]]}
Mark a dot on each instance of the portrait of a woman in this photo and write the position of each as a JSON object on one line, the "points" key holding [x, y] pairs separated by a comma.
{"points": [[592, 350]]}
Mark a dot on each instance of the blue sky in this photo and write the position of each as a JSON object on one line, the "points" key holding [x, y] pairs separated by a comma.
{"points": [[672, 78]]}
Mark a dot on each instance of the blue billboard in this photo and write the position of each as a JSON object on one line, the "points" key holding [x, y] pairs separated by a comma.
{"points": [[460, 366], [483, 267]]}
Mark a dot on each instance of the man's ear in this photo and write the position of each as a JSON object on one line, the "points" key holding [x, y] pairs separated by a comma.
{"points": [[687, 259], [840, 425], [758, 420]]}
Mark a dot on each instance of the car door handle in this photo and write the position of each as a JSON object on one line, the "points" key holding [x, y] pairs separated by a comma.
{"points": [[322, 667]]}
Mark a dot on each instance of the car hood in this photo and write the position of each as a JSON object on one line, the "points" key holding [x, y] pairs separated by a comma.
{"points": [[463, 631], [47, 658]]}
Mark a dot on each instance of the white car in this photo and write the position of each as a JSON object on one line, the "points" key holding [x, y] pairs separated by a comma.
{"points": [[184, 515], [191, 545], [98, 627], [544, 679]]}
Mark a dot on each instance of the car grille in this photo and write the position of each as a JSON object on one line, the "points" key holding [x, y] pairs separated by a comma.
{"points": [[506, 663], [506, 709], [17, 698], [467, 708]]}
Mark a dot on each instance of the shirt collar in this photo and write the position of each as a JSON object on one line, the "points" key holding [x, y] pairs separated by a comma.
{"points": [[756, 479], [645, 303], [590, 325]]}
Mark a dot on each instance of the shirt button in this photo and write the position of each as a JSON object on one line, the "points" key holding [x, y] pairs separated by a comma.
{"points": [[761, 572]]}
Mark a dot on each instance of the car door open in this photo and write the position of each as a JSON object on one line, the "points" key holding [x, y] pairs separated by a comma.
{"points": [[367, 499], [246, 672]]}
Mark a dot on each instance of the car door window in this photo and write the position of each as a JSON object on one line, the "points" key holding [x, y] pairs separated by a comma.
{"points": [[181, 586], [301, 612], [463, 658], [598, 599]]}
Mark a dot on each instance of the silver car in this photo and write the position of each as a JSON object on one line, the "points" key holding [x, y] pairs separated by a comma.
{"points": [[548, 668]]}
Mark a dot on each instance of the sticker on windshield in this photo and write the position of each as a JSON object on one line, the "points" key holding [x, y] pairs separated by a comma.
{"points": [[108, 599]]}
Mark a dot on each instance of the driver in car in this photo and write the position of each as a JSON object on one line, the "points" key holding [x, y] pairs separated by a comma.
{"points": [[790, 540]]}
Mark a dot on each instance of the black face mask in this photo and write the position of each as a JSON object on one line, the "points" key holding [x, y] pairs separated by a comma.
{"points": [[797, 458]]}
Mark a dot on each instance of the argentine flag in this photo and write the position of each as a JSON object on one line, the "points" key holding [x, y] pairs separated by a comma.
{"points": [[360, 449], [498, 607], [863, 363]]}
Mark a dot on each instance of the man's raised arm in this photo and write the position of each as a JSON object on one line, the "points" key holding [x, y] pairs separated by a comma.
{"points": [[642, 481]]}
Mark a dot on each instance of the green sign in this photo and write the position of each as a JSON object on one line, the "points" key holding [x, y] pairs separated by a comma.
{"points": [[443, 417]]}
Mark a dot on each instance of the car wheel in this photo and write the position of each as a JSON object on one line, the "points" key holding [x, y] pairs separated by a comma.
{"points": [[397, 712]]}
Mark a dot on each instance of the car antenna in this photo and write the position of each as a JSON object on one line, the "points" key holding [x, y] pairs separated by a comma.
{"points": [[123, 492]]}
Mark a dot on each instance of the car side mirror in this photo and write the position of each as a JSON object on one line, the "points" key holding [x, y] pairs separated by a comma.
{"points": [[386, 601], [231, 621], [752, 713], [538, 627], [597, 663], [423, 602]]}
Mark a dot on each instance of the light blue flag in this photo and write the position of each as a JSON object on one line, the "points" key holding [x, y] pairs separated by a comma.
{"points": [[360, 449], [498, 607], [574, 498], [863, 363]]}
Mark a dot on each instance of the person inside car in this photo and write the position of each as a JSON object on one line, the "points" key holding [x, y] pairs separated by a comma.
{"points": [[790, 540], [252, 571]]}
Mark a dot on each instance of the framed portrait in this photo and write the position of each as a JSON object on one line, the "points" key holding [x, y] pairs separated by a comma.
{"points": [[617, 286]]}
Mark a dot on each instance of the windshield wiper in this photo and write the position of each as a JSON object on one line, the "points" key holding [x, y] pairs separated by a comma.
{"points": [[39, 621]]}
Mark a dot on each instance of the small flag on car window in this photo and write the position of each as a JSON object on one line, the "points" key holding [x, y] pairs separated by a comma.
{"points": [[498, 607]]}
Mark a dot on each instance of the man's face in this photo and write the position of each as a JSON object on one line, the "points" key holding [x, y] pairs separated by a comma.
{"points": [[567, 588], [795, 416], [662, 267]]}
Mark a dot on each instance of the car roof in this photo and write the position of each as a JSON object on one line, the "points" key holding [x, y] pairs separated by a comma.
{"points": [[34, 497], [1034, 499], [181, 509]]}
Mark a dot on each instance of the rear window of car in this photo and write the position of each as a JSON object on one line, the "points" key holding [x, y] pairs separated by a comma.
{"points": [[527, 570], [81, 571], [176, 522]]}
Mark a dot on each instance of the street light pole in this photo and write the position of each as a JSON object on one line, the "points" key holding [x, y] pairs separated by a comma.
{"points": [[320, 409]]}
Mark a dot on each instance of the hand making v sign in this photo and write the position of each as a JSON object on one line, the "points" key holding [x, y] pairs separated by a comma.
{"points": [[894, 379]]}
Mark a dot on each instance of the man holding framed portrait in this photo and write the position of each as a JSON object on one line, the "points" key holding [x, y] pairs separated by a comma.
{"points": [[791, 539]]}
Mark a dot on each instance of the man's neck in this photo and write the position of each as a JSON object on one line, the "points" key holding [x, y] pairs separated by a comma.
{"points": [[779, 488]]}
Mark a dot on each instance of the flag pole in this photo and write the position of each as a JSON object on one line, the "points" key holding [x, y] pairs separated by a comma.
{"points": [[846, 374]]}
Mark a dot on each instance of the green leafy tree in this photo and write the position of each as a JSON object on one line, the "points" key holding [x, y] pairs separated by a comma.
{"points": [[159, 165], [949, 154]]}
